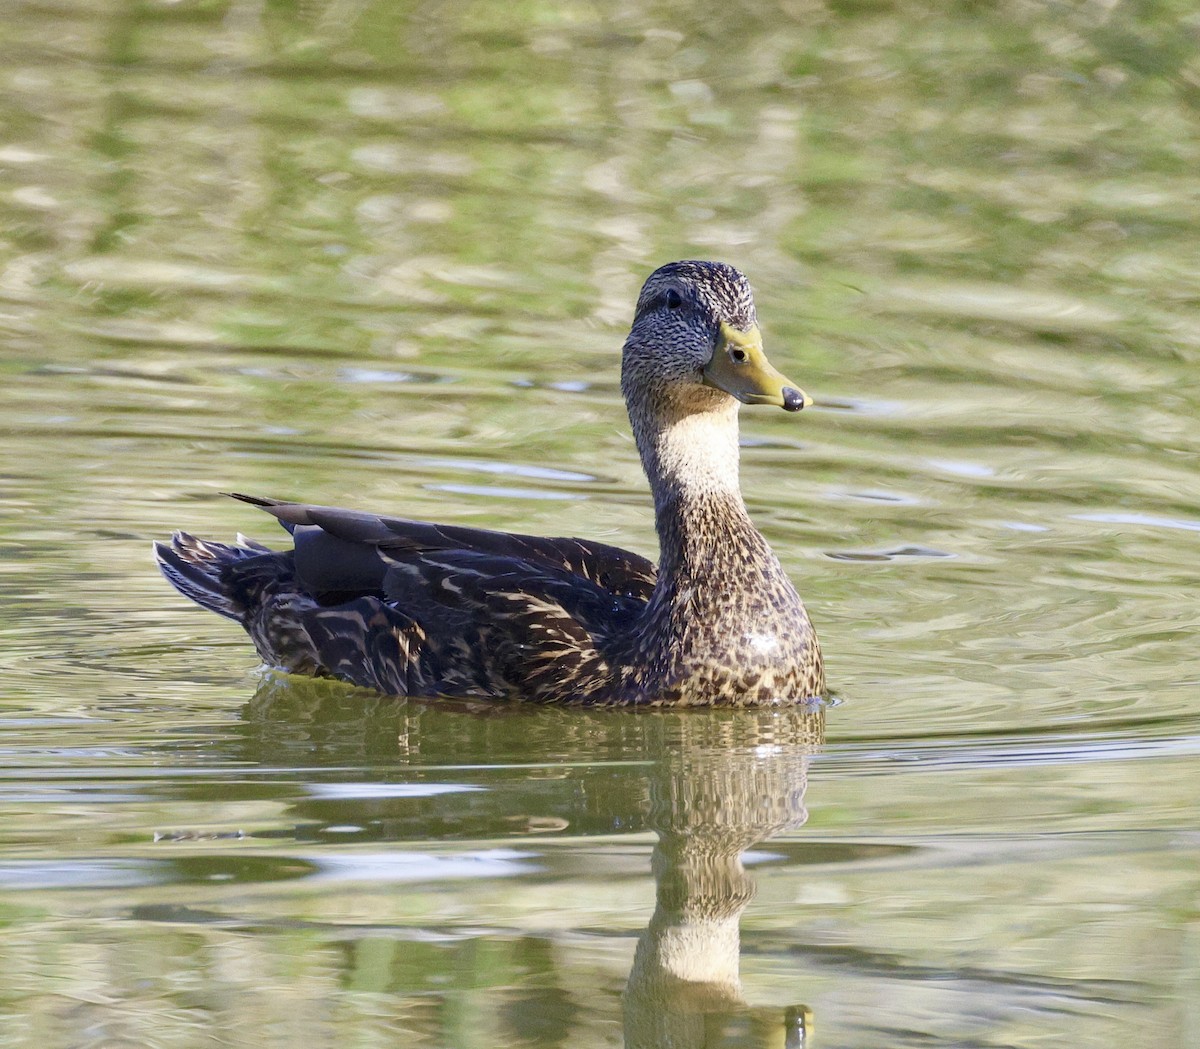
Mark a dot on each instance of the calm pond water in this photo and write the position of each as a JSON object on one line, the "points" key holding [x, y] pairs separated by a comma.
{"points": [[383, 254]]}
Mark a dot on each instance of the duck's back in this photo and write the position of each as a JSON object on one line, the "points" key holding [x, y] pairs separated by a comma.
{"points": [[413, 608]]}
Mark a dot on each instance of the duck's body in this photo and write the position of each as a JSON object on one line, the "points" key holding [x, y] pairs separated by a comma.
{"points": [[410, 608]]}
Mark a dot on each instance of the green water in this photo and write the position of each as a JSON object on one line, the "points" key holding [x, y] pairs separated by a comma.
{"points": [[383, 255]]}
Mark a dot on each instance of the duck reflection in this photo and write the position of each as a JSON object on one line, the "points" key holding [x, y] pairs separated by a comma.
{"points": [[731, 785], [710, 784]]}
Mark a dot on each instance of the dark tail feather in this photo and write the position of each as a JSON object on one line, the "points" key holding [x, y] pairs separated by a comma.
{"points": [[194, 568], [256, 500], [265, 504]]}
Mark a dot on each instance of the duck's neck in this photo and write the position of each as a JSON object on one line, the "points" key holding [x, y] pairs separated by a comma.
{"points": [[691, 459]]}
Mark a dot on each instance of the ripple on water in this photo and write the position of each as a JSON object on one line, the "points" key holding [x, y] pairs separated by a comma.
{"points": [[542, 473], [1147, 520], [1037, 309], [503, 492], [887, 555]]}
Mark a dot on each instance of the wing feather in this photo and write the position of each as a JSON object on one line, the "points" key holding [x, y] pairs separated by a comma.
{"points": [[394, 539]]}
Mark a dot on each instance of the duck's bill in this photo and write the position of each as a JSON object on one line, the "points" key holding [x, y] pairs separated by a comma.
{"points": [[740, 368]]}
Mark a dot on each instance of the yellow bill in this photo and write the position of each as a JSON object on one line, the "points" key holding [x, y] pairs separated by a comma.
{"points": [[740, 368]]}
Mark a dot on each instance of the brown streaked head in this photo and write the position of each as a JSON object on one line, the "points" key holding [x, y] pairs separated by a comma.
{"points": [[695, 330]]}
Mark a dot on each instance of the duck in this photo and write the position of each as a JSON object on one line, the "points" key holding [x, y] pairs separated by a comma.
{"points": [[419, 609]]}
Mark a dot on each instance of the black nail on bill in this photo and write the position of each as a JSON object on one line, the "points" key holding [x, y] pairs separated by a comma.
{"points": [[793, 400]]}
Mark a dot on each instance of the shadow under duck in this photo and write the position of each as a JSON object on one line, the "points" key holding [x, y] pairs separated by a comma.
{"points": [[421, 609]]}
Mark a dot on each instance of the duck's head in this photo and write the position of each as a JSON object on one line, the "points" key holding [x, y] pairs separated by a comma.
{"points": [[695, 333]]}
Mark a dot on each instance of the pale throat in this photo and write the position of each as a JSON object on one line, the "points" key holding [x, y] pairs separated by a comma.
{"points": [[693, 456]]}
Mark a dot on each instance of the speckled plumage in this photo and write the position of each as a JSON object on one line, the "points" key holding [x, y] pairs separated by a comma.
{"points": [[412, 608]]}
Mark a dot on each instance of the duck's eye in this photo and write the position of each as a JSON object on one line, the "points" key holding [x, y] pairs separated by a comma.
{"points": [[674, 299]]}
